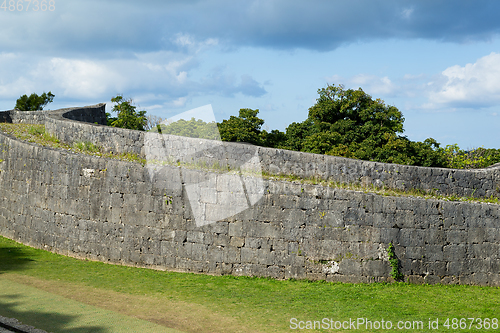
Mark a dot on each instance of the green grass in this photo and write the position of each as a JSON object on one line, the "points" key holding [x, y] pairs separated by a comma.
{"points": [[37, 134], [54, 313], [263, 304]]}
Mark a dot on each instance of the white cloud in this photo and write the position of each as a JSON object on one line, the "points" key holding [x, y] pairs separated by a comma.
{"points": [[81, 78], [193, 45], [16, 88], [473, 85], [372, 84], [179, 102]]}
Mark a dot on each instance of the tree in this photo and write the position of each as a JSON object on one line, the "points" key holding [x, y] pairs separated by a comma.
{"points": [[352, 118], [296, 133], [34, 102], [193, 128], [349, 123], [247, 128], [273, 139], [244, 128], [127, 116]]}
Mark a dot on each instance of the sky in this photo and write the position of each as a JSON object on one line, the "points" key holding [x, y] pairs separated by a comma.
{"points": [[437, 61]]}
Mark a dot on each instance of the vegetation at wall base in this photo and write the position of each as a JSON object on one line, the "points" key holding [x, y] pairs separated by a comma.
{"points": [[394, 261]]}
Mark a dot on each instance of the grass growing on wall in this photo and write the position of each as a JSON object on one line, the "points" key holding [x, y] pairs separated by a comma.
{"points": [[243, 304], [38, 135], [31, 133]]}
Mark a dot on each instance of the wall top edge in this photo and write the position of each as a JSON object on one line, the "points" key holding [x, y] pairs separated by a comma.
{"points": [[59, 114]]}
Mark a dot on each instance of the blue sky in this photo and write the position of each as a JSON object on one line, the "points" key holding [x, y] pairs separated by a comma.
{"points": [[437, 61]]}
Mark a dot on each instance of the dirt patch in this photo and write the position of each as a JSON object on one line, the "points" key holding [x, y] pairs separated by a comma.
{"points": [[164, 311]]}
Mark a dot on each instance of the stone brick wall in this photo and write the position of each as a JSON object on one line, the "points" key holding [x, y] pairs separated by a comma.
{"points": [[126, 213], [89, 114], [478, 182]]}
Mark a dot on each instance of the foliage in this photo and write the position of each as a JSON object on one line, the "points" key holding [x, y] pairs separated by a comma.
{"points": [[457, 158], [343, 122], [127, 116], [394, 261], [86, 146], [296, 133], [244, 128], [34, 102], [193, 128], [247, 128], [349, 123], [275, 139]]}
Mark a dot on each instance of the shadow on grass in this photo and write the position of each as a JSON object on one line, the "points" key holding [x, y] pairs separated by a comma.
{"points": [[51, 322], [13, 259]]}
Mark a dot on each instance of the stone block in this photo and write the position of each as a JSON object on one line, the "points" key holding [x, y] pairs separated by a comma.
{"points": [[237, 241], [236, 229], [350, 267], [454, 252], [375, 268], [232, 255], [432, 279]]}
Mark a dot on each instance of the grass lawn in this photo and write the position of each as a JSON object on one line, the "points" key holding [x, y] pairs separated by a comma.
{"points": [[202, 303], [56, 313]]}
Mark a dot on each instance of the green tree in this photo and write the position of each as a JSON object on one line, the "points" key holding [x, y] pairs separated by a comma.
{"points": [[247, 128], [127, 116], [273, 139], [352, 118], [349, 123], [194, 128], [34, 102], [296, 133], [473, 159], [244, 128]]}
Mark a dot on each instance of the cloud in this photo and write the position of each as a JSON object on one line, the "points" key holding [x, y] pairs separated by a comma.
{"points": [[81, 78], [374, 84], [104, 27], [250, 87], [473, 85], [371, 84], [154, 78]]}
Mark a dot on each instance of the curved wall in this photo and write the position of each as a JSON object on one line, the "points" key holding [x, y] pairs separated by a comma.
{"points": [[477, 182], [120, 212]]}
